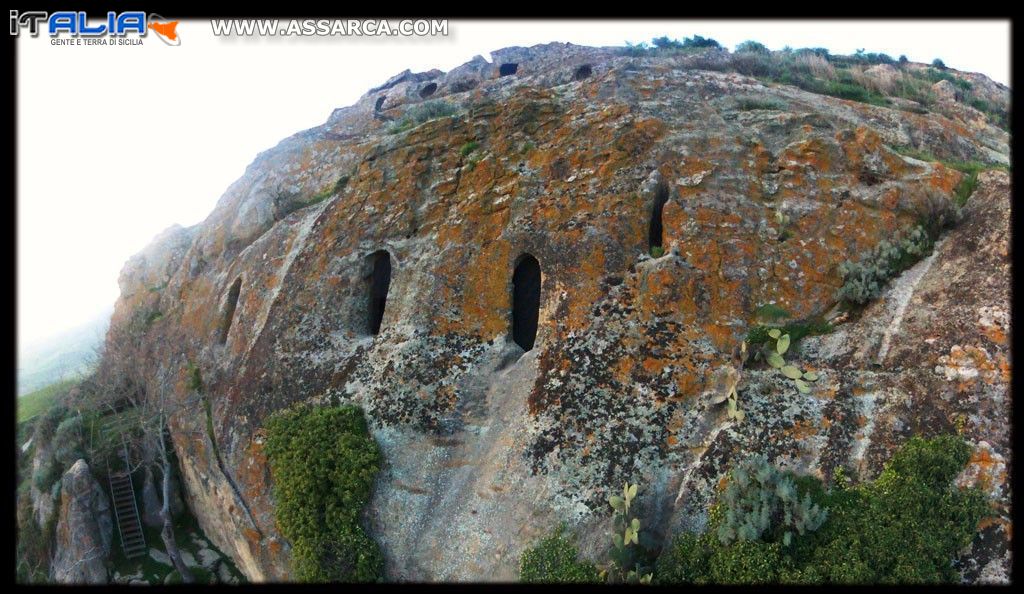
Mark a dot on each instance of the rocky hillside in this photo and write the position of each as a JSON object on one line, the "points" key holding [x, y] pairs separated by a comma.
{"points": [[669, 199]]}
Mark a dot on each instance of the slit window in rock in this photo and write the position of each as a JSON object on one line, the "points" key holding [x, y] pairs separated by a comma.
{"points": [[525, 301], [656, 230], [508, 69], [380, 103], [428, 90], [380, 282], [229, 309], [583, 72]]}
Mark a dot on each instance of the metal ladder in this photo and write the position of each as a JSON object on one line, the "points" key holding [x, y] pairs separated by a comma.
{"points": [[133, 541]]}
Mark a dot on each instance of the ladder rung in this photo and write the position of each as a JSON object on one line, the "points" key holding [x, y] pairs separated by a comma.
{"points": [[133, 541]]}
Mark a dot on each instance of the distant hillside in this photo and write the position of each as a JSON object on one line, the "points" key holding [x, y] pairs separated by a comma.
{"points": [[62, 357]]}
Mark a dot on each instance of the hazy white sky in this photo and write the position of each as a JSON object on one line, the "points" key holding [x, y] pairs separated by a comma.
{"points": [[116, 143]]}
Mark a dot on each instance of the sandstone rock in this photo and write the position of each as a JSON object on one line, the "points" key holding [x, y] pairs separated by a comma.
{"points": [[488, 447], [84, 529], [945, 91]]}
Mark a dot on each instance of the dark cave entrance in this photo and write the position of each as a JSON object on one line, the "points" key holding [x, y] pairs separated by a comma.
{"points": [[229, 309], [428, 90], [380, 282], [583, 72], [508, 69], [525, 301], [380, 103], [655, 231]]}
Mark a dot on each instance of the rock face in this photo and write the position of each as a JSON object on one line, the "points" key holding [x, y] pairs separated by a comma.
{"points": [[569, 159], [42, 502], [84, 529]]}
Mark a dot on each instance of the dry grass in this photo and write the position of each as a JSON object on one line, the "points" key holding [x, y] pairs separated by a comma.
{"points": [[816, 65], [880, 80]]}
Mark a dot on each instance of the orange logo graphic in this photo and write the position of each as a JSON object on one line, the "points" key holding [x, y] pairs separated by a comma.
{"points": [[166, 31]]}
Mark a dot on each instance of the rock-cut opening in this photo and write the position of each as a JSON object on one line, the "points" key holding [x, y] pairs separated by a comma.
{"points": [[655, 230], [229, 309], [508, 69], [583, 72], [428, 90], [380, 282], [525, 301], [380, 103]]}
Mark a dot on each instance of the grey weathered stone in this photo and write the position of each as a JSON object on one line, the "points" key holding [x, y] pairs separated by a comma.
{"points": [[84, 529]]}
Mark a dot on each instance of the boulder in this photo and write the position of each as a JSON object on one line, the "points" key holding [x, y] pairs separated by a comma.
{"points": [[84, 529], [945, 91]]}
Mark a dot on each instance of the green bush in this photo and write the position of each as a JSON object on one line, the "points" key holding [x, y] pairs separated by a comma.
{"points": [[907, 526], [746, 562], [323, 462], [965, 188], [686, 560], [664, 42], [67, 442], [555, 560], [699, 42], [49, 471], [752, 47], [47, 424], [749, 103], [865, 279], [853, 91], [762, 503], [468, 148], [418, 114], [636, 50], [195, 378]]}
